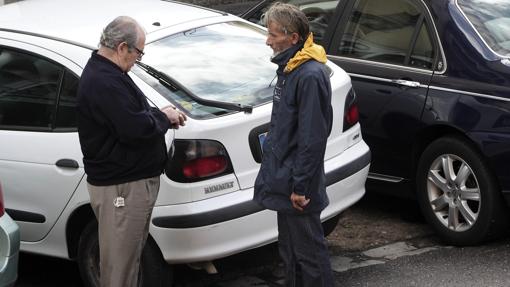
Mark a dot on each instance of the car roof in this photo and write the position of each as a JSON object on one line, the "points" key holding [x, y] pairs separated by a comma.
{"points": [[83, 21]]}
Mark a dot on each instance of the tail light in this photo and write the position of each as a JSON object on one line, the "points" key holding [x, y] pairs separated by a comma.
{"points": [[2, 207], [196, 160], [351, 114]]}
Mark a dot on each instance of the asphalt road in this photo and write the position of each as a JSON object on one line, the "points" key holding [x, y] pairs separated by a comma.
{"points": [[379, 242], [486, 266]]}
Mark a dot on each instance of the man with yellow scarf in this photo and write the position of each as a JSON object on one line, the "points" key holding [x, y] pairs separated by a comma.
{"points": [[291, 179]]}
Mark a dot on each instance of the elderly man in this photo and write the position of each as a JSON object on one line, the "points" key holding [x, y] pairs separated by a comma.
{"points": [[124, 151], [291, 179]]}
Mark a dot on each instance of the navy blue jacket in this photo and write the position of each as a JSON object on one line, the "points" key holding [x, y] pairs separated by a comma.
{"points": [[294, 148], [121, 136]]}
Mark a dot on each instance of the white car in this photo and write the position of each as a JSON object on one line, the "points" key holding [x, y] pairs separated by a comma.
{"points": [[213, 66], [9, 247]]}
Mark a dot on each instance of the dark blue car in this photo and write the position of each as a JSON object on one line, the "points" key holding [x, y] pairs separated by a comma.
{"points": [[432, 79]]}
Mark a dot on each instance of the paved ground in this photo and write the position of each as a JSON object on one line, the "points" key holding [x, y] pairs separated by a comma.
{"points": [[377, 230], [378, 220]]}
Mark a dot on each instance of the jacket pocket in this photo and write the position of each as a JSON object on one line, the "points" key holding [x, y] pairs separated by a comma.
{"points": [[278, 176], [273, 185]]}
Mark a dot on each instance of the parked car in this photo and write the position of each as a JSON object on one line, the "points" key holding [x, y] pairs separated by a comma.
{"points": [[9, 247], [213, 66], [432, 79]]}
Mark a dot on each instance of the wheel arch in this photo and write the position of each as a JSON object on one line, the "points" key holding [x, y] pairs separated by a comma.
{"points": [[490, 221], [75, 225], [431, 133], [155, 270]]}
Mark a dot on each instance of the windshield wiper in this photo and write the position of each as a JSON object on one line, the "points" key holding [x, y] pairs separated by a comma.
{"points": [[174, 85]]}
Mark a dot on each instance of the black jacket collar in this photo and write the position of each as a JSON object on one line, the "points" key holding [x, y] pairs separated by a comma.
{"points": [[104, 60], [283, 58]]}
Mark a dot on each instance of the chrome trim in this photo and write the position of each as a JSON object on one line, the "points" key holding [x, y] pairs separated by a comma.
{"points": [[385, 80], [434, 88], [476, 31], [383, 65], [443, 57], [471, 94], [383, 177], [412, 84]]}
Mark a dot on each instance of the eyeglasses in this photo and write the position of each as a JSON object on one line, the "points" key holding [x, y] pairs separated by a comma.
{"points": [[139, 52]]}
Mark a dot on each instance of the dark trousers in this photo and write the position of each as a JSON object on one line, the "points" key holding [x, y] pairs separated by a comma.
{"points": [[304, 251]]}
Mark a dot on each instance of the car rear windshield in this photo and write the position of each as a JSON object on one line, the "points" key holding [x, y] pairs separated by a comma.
{"points": [[227, 62], [491, 19]]}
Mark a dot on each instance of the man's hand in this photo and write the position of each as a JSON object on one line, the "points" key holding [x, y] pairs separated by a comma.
{"points": [[176, 117], [299, 201]]}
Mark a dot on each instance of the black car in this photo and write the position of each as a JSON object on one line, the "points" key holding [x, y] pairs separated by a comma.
{"points": [[432, 79]]}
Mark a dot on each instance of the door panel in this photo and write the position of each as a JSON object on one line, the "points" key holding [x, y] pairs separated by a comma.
{"points": [[389, 114], [37, 130], [32, 181], [387, 50]]}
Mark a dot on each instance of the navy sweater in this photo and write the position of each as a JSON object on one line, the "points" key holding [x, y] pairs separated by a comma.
{"points": [[121, 136]]}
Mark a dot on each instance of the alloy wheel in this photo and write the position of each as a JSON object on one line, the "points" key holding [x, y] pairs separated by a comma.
{"points": [[453, 192]]}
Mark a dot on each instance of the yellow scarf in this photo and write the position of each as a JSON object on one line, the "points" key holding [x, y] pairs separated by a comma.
{"points": [[310, 51]]}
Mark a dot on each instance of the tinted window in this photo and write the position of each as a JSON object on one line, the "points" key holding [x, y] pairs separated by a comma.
{"points": [[227, 62], [423, 54], [66, 111], [318, 12], [28, 90], [491, 19], [392, 31]]}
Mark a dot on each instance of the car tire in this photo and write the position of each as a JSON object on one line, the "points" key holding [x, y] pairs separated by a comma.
{"points": [[329, 225], [153, 269], [463, 205]]}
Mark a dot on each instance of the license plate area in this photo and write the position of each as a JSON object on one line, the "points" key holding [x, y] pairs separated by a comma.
{"points": [[262, 138], [256, 138]]}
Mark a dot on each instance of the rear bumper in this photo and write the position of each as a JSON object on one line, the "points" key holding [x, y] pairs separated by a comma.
{"points": [[9, 251], [231, 223]]}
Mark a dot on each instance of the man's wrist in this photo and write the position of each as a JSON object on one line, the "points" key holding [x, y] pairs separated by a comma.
{"points": [[299, 192]]}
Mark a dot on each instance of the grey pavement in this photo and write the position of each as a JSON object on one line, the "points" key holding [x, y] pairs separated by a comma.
{"points": [[483, 266], [404, 264]]}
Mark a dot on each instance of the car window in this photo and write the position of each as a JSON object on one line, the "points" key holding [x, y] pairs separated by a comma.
{"points": [[422, 55], [491, 18], [227, 62], [392, 31], [318, 12], [28, 90], [66, 110]]}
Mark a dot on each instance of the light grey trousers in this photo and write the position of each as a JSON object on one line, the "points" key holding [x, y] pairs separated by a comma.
{"points": [[123, 230]]}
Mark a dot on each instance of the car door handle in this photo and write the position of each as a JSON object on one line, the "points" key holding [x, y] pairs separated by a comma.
{"points": [[407, 83], [69, 163]]}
